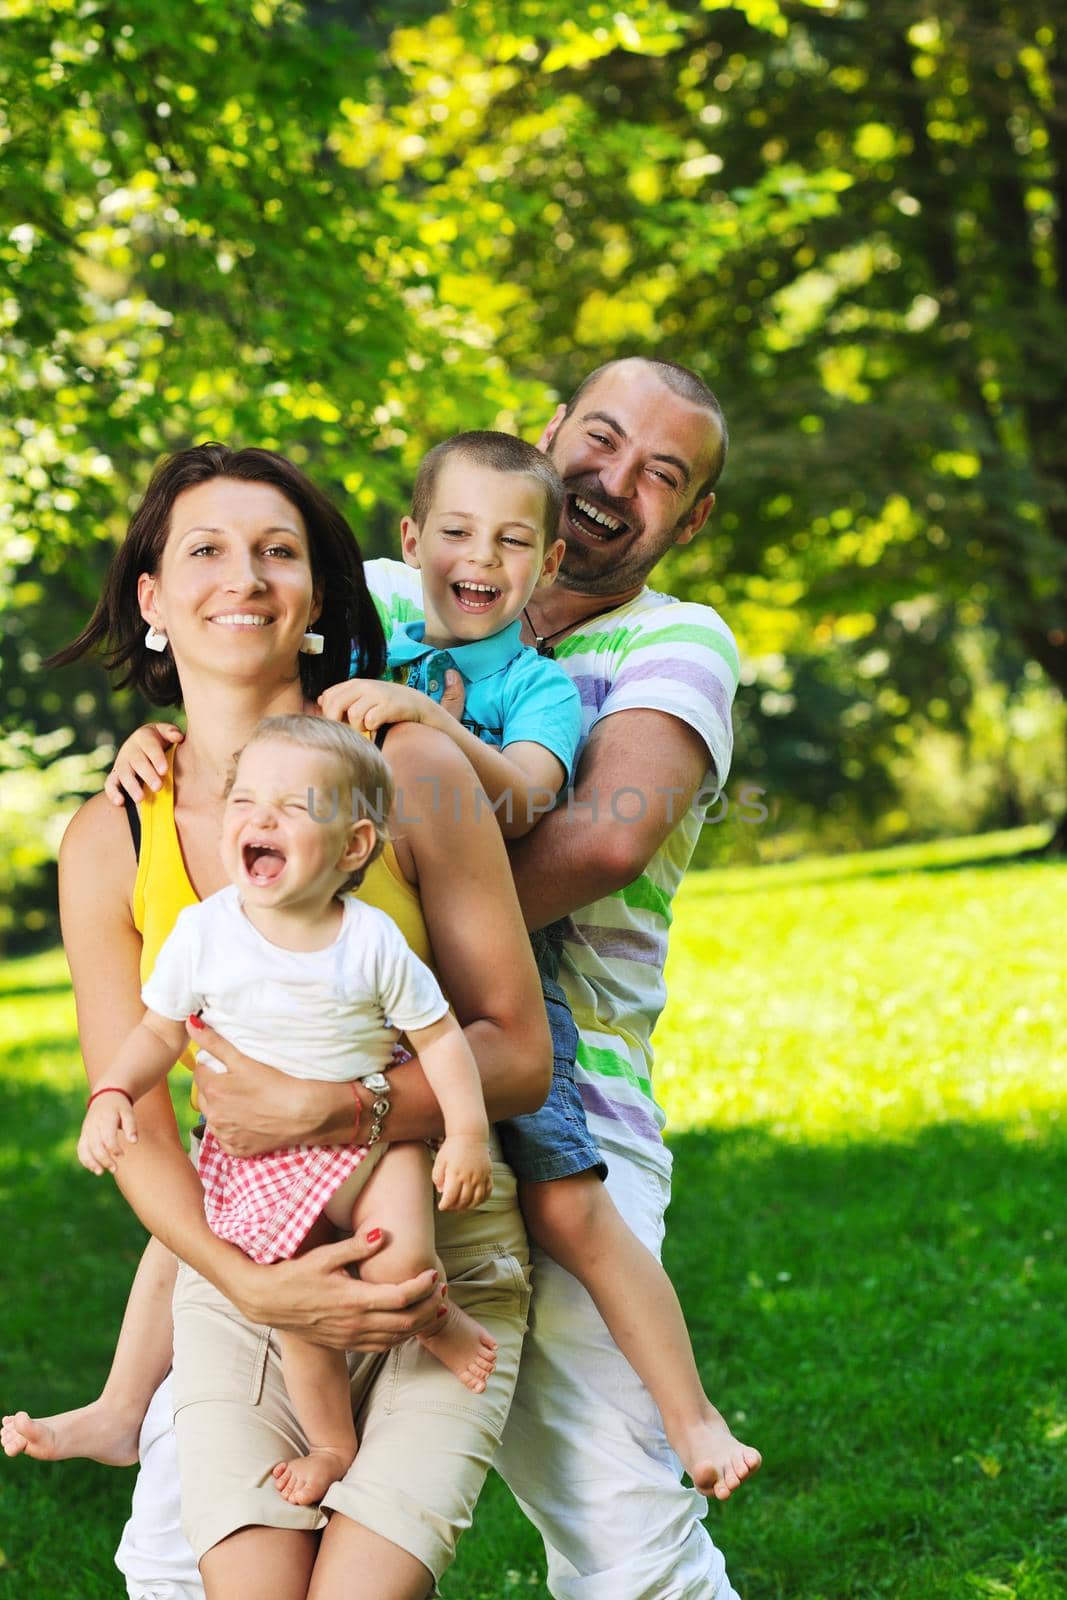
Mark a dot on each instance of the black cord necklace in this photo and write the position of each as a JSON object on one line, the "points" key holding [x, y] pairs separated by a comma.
{"points": [[543, 641]]}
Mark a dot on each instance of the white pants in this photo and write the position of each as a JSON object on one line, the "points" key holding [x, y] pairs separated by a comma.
{"points": [[584, 1451], [154, 1554]]}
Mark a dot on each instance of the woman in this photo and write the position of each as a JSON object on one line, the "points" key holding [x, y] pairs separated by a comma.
{"points": [[233, 560]]}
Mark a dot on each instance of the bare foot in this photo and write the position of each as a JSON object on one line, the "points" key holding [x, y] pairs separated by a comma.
{"points": [[464, 1347], [100, 1432], [305, 1479], [717, 1462]]}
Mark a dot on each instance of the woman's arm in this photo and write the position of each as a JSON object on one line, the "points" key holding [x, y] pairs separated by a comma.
{"points": [[451, 846], [521, 780], [312, 1294]]}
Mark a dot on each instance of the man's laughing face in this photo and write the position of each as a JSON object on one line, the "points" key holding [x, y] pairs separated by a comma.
{"points": [[632, 455]]}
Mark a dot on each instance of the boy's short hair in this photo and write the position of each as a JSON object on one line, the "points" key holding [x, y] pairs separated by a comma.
{"points": [[365, 773], [501, 451]]}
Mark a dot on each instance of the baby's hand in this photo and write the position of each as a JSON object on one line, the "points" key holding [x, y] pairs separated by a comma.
{"points": [[366, 703], [99, 1146], [463, 1172], [142, 759]]}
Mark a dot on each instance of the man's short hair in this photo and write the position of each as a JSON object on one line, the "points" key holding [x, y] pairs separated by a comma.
{"points": [[681, 381], [501, 451]]}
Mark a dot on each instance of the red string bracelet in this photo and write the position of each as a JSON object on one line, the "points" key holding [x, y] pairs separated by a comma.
{"points": [[109, 1088]]}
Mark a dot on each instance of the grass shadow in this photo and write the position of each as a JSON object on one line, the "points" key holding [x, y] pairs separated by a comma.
{"points": [[883, 1319]]}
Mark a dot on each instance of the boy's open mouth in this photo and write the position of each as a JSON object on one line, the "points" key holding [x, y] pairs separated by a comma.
{"points": [[263, 863], [476, 596], [592, 520]]}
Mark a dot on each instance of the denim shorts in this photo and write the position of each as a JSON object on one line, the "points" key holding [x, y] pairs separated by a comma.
{"points": [[555, 1141]]}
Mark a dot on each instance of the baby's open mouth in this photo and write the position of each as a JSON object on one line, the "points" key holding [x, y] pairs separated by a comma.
{"points": [[476, 596], [263, 863]]}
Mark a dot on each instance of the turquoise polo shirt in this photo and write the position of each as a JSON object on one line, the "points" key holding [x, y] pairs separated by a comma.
{"points": [[512, 693]]}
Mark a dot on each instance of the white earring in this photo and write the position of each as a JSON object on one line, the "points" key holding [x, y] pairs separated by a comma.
{"points": [[155, 639], [312, 643]]}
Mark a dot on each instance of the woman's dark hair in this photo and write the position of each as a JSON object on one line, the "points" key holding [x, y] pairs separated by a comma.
{"points": [[348, 618]]}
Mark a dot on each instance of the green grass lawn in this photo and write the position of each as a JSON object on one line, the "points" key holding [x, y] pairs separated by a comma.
{"points": [[864, 1068]]}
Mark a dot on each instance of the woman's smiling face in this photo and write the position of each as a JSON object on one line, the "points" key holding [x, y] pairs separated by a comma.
{"points": [[235, 588]]}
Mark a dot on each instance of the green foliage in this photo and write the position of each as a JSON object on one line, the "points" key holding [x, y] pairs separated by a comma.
{"points": [[867, 1235], [307, 226], [39, 786]]}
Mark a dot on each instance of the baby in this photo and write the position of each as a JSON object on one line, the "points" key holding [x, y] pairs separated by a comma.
{"points": [[306, 978]]}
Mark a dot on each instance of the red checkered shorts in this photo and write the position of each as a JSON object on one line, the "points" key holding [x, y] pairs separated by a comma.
{"points": [[266, 1205]]}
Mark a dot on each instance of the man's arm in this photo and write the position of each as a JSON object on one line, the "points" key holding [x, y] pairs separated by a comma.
{"points": [[638, 773]]}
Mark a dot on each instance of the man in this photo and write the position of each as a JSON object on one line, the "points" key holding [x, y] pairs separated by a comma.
{"points": [[639, 448]]}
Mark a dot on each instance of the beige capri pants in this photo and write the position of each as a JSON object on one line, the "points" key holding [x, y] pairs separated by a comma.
{"points": [[425, 1442]]}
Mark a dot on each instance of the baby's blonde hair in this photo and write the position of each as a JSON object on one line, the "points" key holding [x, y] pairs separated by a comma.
{"points": [[363, 772]]}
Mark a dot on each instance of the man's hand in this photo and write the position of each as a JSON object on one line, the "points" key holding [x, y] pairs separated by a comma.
{"points": [[251, 1108], [315, 1296], [142, 760], [463, 1173]]}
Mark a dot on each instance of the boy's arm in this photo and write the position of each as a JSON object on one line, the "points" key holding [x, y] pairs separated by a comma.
{"points": [[141, 761], [521, 780], [462, 1171]]}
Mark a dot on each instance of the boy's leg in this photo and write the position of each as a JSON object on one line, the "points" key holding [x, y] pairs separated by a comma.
{"points": [[399, 1198], [106, 1430], [584, 1450], [575, 1220]]}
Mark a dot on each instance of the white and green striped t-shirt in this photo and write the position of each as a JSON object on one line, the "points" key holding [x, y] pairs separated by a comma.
{"points": [[654, 653]]}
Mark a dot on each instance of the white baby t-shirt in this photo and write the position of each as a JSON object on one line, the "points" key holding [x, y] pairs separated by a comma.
{"points": [[330, 1014]]}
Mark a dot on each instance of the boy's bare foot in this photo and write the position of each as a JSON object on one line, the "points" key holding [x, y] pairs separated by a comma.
{"points": [[465, 1348], [717, 1462], [305, 1479], [99, 1432]]}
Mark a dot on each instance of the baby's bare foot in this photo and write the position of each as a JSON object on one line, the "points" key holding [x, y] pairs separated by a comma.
{"points": [[305, 1479], [717, 1462], [464, 1347], [101, 1431]]}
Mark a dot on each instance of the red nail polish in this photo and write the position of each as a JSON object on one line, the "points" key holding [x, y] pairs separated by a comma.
{"points": [[374, 1235], [195, 1022], [433, 1277], [444, 1290], [442, 1311]]}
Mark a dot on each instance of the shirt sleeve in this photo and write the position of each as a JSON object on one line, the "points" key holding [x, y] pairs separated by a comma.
{"points": [[542, 706], [171, 988], [683, 661], [396, 590], [409, 994]]}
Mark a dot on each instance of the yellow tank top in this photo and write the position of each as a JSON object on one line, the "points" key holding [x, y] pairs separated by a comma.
{"points": [[162, 887]]}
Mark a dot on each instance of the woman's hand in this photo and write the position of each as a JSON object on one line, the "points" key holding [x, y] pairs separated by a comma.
{"points": [[315, 1296], [252, 1109], [142, 760], [463, 1172]]}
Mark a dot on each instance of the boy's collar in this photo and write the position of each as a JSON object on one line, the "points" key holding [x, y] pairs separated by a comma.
{"points": [[480, 658]]}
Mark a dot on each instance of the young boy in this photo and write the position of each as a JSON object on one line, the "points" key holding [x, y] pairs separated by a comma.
{"points": [[482, 532]]}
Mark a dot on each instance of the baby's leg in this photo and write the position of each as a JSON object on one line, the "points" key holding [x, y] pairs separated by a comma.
{"points": [[107, 1429], [316, 1380], [399, 1198], [575, 1221]]}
